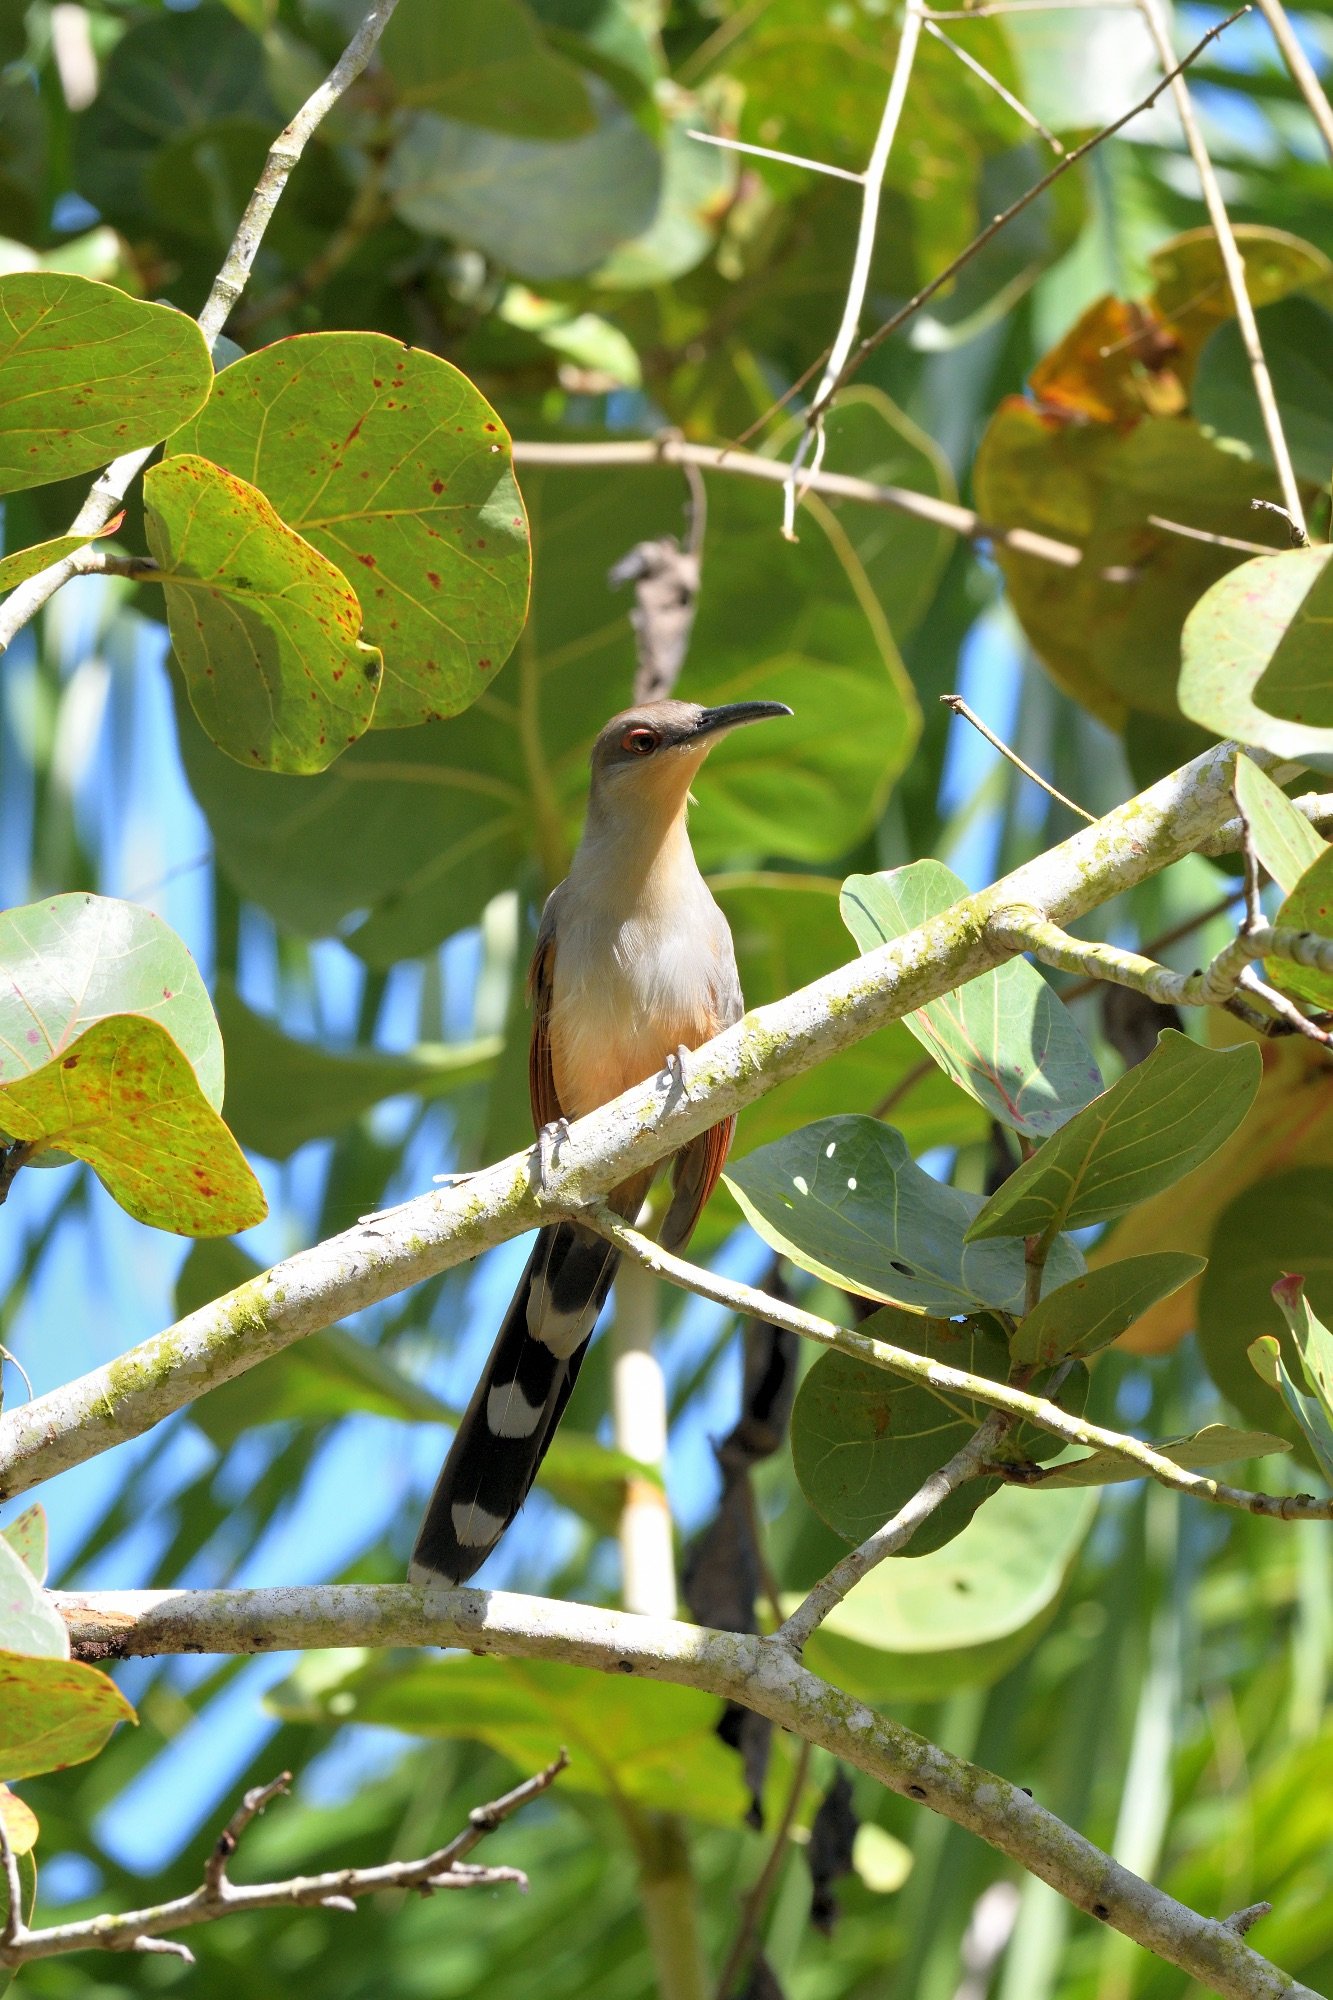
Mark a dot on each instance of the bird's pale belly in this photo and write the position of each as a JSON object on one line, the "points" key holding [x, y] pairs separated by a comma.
{"points": [[618, 1029]]}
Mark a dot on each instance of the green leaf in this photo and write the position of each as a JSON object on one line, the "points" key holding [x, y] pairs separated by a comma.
{"points": [[963, 1615], [697, 185], [1297, 684], [23, 563], [169, 73], [390, 464], [87, 373], [1278, 1224], [539, 208], [863, 1440], [71, 961], [1005, 1038], [1284, 839], [421, 829], [1092, 1311], [124, 1098], [1142, 1135], [26, 1535], [264, 627], [483, 62], [54, 1713], [845, 1199], [640, 1743], [1297, 339], [283, 1092], [1234, 631], [1314, 1343], [1309, 907], [29, 1622], [1216, 1444], [21, 1823]]}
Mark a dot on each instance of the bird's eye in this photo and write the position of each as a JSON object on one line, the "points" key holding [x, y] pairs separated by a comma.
{"points": [[639, 741]]}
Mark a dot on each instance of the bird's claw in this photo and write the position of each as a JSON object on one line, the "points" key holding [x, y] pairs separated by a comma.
{"points": [[549, 1141], [673, 1073]]}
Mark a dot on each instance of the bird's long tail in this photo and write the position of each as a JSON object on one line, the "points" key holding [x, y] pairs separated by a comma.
{"points": [[517, 1404]]}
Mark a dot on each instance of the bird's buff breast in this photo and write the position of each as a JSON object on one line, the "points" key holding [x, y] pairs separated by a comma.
{"points": [[652, 993]]}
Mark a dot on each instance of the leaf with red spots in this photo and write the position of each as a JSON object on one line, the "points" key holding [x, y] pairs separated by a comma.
{"points": [[87, 373], [395, 468], [17, 568], [266, 630], [54, 1713], [125, 1100], [109, 1052]]}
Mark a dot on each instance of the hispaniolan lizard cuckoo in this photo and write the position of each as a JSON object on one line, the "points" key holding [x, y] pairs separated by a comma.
{"points": [[633, 962]]}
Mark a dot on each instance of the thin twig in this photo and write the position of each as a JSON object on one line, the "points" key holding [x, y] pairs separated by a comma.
{"points": [[909, 36], [671, 449], [1286, 1010], [13, 1926], [935, 1375], [771, 153], [960, 708], [1254, 909], [109, 489], [968, 1463], [367, 209], [1205, 535], [927, 292], [12, 1157], [756, 1897], [993, 82], [1163, 941], [218, 1896], [1302, 69], [1232, 261]]}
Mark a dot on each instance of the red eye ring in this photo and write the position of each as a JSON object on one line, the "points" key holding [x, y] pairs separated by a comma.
{"points": [[640, 742]]}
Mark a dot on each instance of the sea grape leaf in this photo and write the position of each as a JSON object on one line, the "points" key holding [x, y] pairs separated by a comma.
{"points": [[54, 1712], [543, 209], [389, 463], [1284, 839], [1091, 1311], [1309, 907], [74, 960], [23, 563], [1231, 635], [86, 373], [484, 62], [1216, 1444], [1297, 684], [864, 1440], [846, 1200], [29, 1622], [1142, 1135], [264, 627], [26, 1535], [1005, 1037], [636, 1742], [124, 1098]]}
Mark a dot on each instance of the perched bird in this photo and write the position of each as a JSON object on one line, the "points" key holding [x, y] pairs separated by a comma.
{"points": [[633, 963]]}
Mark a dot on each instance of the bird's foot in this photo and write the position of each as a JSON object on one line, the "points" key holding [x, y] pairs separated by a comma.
{"points": [[549, 1141], [673, 1075]]}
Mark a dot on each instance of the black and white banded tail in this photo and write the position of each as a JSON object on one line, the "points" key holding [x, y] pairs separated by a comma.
{"points": [[517, 1404]]}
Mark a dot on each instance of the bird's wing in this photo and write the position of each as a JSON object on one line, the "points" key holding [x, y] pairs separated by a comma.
{"points": [[541, 985], [699, 1164]]}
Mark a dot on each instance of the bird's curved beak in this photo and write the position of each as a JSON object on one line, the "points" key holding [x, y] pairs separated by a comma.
{"points": [[714, 721]]}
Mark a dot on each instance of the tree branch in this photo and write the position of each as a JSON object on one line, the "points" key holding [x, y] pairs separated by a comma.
{"points": [[671, 449], [389, 1253], [893, 1537], [1232, 263], [218, 1896], [947, 1381], [109, 489], [759, 1673]]}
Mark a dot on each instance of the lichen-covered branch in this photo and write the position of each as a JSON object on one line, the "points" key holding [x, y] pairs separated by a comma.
{"points": [[761, 1673], [389, 1253], [948, 1381], [111, 486], [217, 1896]]}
